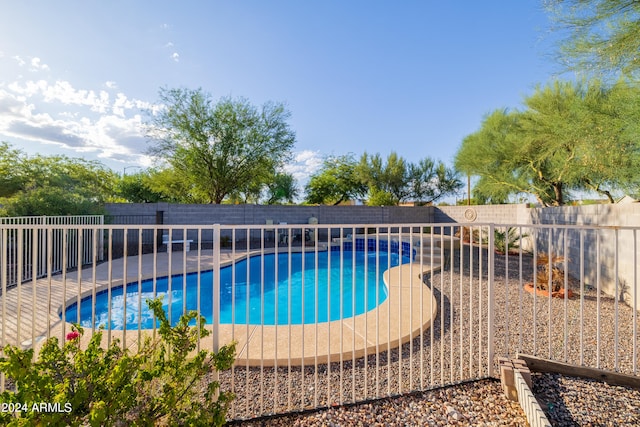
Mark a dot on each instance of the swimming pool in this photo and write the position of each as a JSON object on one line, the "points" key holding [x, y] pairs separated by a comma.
{"points": [[293, 291]]}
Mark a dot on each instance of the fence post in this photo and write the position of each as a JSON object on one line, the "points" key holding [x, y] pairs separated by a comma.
{"points": [[216, 286], [216, 296], [159, 232], [491, 300]]}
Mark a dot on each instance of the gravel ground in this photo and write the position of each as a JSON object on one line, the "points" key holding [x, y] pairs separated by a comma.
{"points": [[479, 404], [455, 350], [566, 401], [569, 401]]}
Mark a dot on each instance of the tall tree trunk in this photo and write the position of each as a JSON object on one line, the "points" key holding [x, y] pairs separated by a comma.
{"points": [[557, 190], [608, 194]]}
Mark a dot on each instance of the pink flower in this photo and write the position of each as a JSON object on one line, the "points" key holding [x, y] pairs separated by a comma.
{"points": [[72, 335]]}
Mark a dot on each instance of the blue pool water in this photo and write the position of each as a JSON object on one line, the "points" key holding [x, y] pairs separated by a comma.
{"points": [[296, 293]]}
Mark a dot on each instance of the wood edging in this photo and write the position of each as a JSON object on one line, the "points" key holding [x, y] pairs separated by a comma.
{"points": [[537, 364]]}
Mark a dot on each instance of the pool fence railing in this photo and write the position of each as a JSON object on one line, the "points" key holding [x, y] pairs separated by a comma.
{"points": [[454, 298], [27, 250]]}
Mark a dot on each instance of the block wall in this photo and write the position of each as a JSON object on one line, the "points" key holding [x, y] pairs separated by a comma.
{"points": [[258, 214]]}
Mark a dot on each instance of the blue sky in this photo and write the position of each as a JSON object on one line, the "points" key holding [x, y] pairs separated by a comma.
{"points": [[415, 77]]}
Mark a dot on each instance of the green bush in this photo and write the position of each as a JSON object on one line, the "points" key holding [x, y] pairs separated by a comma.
{"points": [[505, 239], [158, 385]]}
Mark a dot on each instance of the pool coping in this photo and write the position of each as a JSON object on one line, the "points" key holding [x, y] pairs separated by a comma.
{"points": [[368, 333]]}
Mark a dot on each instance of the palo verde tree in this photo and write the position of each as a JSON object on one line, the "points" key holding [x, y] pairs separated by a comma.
{"points": [[601, 37], [395, 180], [383, 183], [570, 136], [219, 148]]}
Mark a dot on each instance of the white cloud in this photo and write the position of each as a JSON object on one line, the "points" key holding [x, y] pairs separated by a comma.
{"points": [[175, 56], [63, 92], [106, 124], [121, 103], [168, 45], [19, 60], [111, 84], [37, 65], [305, 163]]}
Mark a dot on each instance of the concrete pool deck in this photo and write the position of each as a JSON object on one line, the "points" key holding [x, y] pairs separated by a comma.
{"points": [[407, 312]]}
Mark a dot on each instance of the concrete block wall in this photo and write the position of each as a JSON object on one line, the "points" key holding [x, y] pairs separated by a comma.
{"points": [[604, 241], [198, 214], [258, 214]]}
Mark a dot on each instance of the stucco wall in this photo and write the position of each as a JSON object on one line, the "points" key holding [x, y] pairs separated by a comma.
{"points": [[497, 214], [609, 243]]}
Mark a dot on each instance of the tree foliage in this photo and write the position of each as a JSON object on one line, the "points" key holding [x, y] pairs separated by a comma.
{"points": [[382, 182], [386, 181], [602, 37], [335, 182], [220, 148], [395, 180], [570, 136], [139, 188], [12, 175], [52, 185], [281, 189]]}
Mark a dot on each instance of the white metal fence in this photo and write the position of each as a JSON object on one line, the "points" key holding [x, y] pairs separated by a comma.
{"points": [[25, 251], [313, 324]]}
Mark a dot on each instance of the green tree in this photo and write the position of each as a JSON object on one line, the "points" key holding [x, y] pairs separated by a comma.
{"points": [[137, 188], [387, 182], [53, 185], [282, 189], [486, 153], [395, 180], [601, 37], [174, 186], [219, 148], [335, 182], [430, 180], [569, 137], [12, 176]]}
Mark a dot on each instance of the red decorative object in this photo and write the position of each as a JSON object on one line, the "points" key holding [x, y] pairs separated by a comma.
{"points": [[72, 335], [543, 292]]}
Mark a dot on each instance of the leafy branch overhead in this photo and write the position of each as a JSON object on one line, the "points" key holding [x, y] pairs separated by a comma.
{"points": [[600, 38]]}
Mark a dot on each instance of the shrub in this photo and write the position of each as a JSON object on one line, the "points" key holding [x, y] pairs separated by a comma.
{"points": [[160, 384], [505, 239], [551, 280]]}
